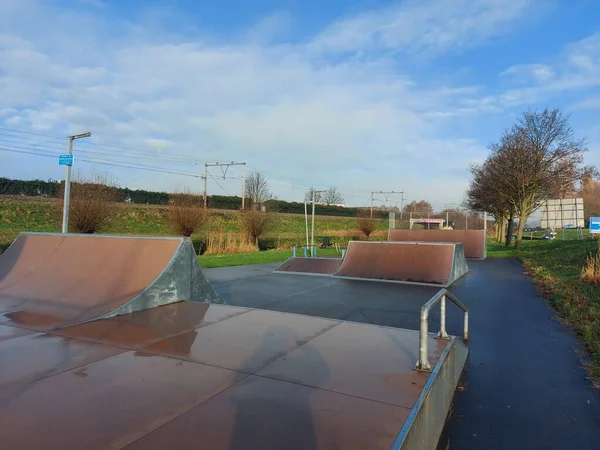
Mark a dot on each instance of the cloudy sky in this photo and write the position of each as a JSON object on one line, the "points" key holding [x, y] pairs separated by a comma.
{"points": [[366, 95]]}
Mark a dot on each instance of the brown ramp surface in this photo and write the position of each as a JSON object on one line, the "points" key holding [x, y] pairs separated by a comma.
{"points": [[410, 262], [51, 280], [312, 266], [474, 241]]}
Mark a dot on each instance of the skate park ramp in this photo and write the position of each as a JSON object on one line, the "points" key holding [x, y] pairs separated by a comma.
{"points": [[48, 281], [474, 241], [312, 266], [409, 262]]}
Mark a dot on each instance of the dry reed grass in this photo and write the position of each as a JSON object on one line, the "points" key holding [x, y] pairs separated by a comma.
{"points": [[222, 243], [590, 273]]}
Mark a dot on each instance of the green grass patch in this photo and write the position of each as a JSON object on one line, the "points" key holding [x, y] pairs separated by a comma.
{"points": [[265, 257], [555, 266]]}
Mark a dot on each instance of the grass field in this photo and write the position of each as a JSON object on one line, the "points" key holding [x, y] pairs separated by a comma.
{"points": [[18, 215], [266, 257]]}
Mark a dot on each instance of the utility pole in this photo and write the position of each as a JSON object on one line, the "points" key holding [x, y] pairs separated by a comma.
{"points": [[224, 168], [67, 196], [386, 194]]}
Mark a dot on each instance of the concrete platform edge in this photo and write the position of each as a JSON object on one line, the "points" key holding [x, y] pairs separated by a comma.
{"points": [[425, 423]]}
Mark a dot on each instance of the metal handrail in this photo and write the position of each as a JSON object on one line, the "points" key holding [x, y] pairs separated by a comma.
{"points": [[423, 362]]}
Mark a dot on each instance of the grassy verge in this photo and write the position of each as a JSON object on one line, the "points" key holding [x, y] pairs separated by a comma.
{"points": [[556, 267], [245, 259]]}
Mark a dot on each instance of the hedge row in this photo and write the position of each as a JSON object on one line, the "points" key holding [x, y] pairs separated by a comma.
{"points": [[39, 188]]}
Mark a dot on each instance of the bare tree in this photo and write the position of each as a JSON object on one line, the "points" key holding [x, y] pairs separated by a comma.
{"points": [[332, 196], [365, 223], [308, 197], [537, 159], [92, 202], [257, 189], [421, 206], [186, 212], [254, 223]]}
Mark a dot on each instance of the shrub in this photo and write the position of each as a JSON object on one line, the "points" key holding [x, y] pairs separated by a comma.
{"points": [[91, 203], [590, 273], [186, 213], [364, 223], [254, 223]]}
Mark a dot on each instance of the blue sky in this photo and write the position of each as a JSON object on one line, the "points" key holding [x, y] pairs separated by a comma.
{"points": [[364, 94]]}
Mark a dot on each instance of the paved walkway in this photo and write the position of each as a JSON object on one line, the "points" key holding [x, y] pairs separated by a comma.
{"points": [[524, 384]]}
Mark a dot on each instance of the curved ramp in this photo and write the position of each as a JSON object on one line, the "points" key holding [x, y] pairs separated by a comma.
{"points": [[310, 266], [438, 264], [52, 280], [474, 241]]}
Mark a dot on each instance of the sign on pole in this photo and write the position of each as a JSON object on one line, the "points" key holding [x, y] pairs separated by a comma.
{"points": [[65, 160], [594, 225]]}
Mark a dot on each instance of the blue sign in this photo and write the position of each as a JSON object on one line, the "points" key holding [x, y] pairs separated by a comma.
{"points": [[594, 225], [65, 160]]}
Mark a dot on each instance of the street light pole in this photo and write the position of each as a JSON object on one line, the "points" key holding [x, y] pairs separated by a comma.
{"points": [[67, 196]]}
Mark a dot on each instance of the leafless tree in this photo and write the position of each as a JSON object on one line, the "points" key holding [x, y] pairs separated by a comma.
{"points": [[538, 158], [254, 223], [332, 196], [186, 212], [365, 223], [421, 207], [308, 197], [257, 189], [92, 201]]}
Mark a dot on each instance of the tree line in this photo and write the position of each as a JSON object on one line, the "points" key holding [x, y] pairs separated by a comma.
{"points": [[538, 158]]}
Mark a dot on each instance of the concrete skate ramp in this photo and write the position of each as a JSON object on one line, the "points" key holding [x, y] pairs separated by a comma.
{"points": [[474, 241], [311, 266], [51, 280], [410, 262]]}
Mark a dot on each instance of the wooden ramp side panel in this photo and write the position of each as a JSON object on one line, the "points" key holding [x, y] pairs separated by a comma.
{"points": [[474, 241], [399, 261], [323, 266]]}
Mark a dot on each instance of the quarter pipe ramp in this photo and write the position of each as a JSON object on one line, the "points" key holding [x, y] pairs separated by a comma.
{"points": [[411, 262], [474, 241], [50, 280]]}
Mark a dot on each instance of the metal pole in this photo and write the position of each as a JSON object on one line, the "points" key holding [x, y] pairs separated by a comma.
{"points": [[423, 363], [67, 197], [205, 180], [442, 334], [447, 223], [466, 326], [410, 224], [371, 205], [312, 240], [466, 221], [306, 221], [244, 186]]}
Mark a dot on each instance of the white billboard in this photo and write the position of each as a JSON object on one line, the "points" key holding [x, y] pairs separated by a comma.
{"points": [[563, 213]]}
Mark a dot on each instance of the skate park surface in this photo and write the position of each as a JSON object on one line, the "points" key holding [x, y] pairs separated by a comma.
{"points": [[155, 383]]}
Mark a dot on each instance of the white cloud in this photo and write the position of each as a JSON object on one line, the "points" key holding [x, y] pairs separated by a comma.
{"points": [[576, 68], [423, 26], [354, 122]]}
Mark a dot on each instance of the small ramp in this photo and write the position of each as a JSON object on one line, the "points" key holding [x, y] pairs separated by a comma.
{"points": [[474, 241], [310, 266], [438, 264], [48, 280]]}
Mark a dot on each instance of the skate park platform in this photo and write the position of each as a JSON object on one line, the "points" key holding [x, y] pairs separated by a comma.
{"points": [[313, 266], [429, 263], [246, 374], [474, 241]]}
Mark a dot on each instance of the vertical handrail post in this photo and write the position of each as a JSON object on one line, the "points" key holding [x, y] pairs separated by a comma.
{"points": [[442, 334]]}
